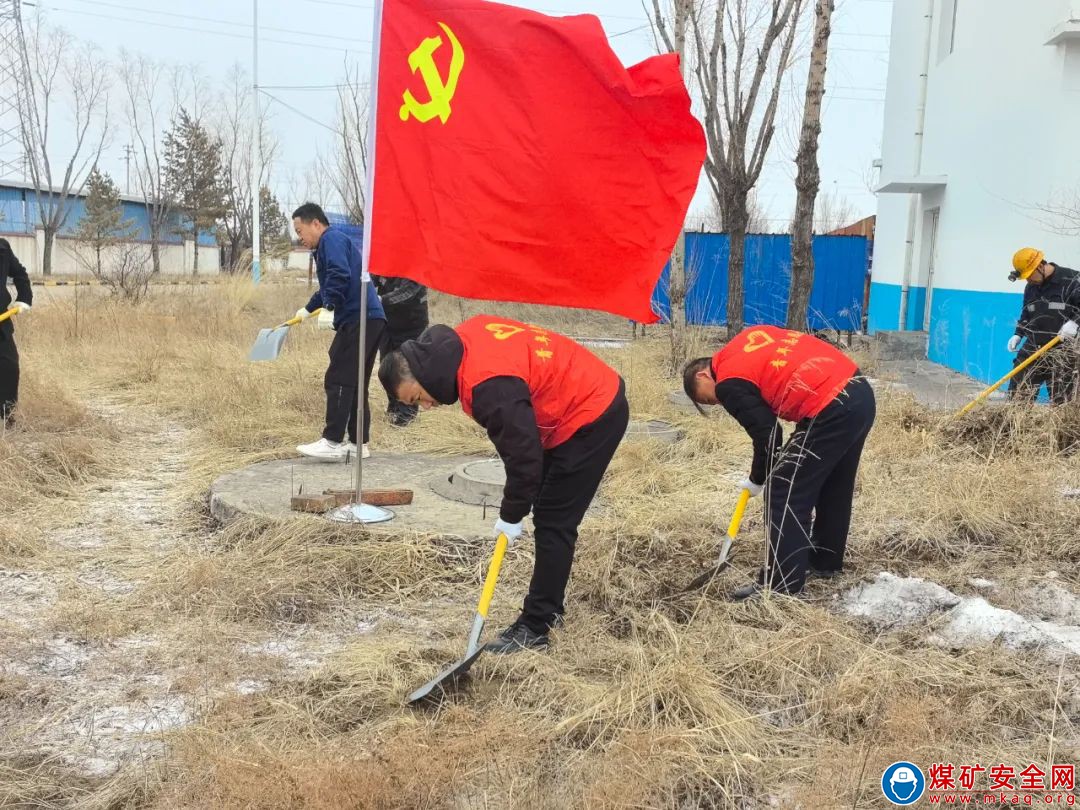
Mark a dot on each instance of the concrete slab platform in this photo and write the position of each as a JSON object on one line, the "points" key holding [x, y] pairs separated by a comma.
{"points": [[265, 489]]}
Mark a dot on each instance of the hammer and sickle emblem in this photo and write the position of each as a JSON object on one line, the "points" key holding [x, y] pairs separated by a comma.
{"points": [[441, 91], [502, 331]]}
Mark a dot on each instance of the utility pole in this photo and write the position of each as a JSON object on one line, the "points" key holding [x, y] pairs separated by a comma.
{"points": [[128, 152], [14, 159], [256, 148]]}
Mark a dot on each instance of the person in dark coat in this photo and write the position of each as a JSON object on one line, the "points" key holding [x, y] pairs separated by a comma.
{"points": [[1051, 309], [406, 305], [764, 374], [555, 413], [338, 267], [11, 269]]}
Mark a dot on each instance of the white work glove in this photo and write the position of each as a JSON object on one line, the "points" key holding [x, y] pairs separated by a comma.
{"points": [[302, 314], [511, 530], [1069, 330], [326, 319], [1014, 343], [755, 489]]}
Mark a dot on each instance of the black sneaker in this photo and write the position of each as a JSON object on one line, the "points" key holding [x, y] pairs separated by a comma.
{"points": [[515, 638]]}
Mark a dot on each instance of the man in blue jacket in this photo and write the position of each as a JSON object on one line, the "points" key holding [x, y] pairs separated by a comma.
{"points": [[338, 266]]}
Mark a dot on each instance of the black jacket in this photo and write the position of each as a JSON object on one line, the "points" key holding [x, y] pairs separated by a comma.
{"points": [[500, 405], [11, 268], [1047, 306], [405, 303], [743, 400]]}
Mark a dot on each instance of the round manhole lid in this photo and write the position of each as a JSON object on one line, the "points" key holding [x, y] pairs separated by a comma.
{"points": [[656, 429], [490, 472], [475, 482]]}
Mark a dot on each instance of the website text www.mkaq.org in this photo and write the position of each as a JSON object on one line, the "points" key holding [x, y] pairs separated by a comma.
{"points": [[1013, 799]]}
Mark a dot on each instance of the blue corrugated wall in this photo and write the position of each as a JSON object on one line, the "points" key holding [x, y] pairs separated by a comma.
{"points": [[836, 302], [19, 215]]}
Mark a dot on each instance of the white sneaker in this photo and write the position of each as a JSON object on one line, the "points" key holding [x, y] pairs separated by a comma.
{"points": [[350, 449], [323, 450]]}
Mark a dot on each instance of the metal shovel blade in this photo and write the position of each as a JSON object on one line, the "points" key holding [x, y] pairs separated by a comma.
{"points": [[268, 344], [437, 686]]}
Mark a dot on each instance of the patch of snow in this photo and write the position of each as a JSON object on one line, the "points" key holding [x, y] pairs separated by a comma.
{"points": [[892, 602], [982, 584], [976, 623]]}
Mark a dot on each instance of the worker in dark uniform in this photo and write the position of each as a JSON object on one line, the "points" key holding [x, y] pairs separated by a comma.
{"points": [[406, 305], [338, 266], [11, 269], [764, 374], [1051, 308], [555, 413]]}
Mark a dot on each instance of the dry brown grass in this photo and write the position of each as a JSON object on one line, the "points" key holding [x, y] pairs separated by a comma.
{"points": [[648, 699]]}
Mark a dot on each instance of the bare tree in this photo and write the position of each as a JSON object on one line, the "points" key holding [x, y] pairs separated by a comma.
{"points": [[833, 212], [757, 219], [234, 131], [144, 84], [742, 53], [1059, 215], [808, 179], [60, 74], [678, 278], [346, 167]]}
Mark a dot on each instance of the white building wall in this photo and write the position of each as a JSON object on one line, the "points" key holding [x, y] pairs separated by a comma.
{"points": [[1003, 125], [176, 260]]}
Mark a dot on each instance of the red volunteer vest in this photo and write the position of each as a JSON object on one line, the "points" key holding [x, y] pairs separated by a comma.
{"points": [[570, 386], [798, 375]]}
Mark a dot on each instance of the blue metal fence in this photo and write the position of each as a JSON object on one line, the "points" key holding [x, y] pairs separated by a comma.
{"points": [[836, 301]]}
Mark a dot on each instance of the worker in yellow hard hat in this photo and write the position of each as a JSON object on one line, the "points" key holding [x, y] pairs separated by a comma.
{"points": [[1051, 308]]}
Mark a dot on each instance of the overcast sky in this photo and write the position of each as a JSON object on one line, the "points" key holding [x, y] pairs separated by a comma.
{"points": [[305, 42]]}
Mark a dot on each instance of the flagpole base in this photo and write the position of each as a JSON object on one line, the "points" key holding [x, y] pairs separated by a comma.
{"points": [[361, 513]]}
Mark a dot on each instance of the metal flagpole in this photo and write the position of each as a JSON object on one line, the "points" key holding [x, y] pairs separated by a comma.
{"points": [[359, 512]]}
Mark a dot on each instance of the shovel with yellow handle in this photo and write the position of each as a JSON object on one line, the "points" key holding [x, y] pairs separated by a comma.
{"points": [[437, 686], [1035, 356], [9, 313], [725, 550], [269, 342]]}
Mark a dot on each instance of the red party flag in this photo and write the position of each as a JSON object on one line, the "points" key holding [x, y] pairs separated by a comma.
{"points": [[516, 159]]}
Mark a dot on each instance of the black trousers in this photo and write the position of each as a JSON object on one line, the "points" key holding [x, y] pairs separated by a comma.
{"points": [[9, 375], [572, 474], [342, 379], [393, 337], [1058, 370], [810, 489]]}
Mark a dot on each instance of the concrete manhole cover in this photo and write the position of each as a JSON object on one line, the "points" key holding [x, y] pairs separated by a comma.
{"points": [[475, 482], [681, 401], [654, 429], [482, 482]]}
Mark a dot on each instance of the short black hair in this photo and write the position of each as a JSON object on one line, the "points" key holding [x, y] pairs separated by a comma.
{"points": [[689, 381], [393, 371], [309, 212]]}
